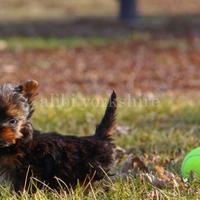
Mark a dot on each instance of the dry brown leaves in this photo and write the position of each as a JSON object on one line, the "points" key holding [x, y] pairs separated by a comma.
{"points": [[148, 168], [135, 67]]}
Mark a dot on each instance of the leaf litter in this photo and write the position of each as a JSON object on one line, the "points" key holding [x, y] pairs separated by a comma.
{"points": [[147, 168]]}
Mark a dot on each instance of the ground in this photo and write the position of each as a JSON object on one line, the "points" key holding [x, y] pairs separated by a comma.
{"points": [[155, 135], [153, 66], [141, 65]]}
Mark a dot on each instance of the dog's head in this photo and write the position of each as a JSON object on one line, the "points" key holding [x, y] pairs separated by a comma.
{"points": [[16, 110]]}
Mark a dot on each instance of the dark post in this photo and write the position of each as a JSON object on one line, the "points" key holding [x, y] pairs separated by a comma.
{"points": [[128, 9]]}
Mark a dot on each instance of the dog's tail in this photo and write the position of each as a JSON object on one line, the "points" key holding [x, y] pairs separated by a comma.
{"points": [[104, 129]]}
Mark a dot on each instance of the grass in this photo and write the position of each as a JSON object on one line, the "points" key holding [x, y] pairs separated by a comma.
{"points": [[17, 43], [148, 119], [53, 42], [163, 126]]}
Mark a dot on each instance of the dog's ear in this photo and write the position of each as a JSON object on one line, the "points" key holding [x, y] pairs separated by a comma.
{"points": [[28, 89]]}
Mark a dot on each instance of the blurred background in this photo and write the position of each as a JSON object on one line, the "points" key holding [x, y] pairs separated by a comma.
{"points": [[93, 46]]}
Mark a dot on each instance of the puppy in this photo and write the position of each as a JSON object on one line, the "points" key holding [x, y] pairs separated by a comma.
{"points": [[51, 158]]}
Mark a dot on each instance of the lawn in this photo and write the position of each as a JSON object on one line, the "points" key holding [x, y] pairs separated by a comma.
{"points": [[157, 130]]}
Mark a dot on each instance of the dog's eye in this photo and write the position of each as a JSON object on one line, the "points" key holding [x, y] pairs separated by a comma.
{"points": [[13, 121]]}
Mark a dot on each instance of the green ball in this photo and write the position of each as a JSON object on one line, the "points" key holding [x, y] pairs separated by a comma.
{"points": [[191, 164]]}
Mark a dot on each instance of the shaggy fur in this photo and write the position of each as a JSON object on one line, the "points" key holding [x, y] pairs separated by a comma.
{"points": [[49, 157]]}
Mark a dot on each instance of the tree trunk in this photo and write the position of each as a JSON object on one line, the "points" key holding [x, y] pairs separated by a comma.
{"points": [[128, 9]]}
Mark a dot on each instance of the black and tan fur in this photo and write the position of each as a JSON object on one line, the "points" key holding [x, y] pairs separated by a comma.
{"points": [[49, 157]]}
